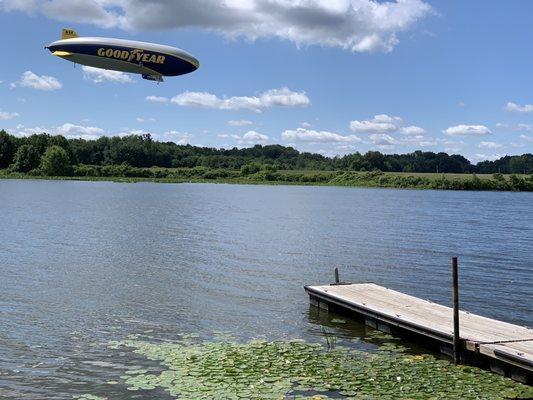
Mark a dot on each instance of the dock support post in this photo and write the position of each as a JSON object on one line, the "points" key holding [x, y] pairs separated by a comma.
{"points": [[456, 337], [337, 280]]}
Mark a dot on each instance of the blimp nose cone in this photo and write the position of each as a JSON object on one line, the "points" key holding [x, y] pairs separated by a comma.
{"points": [[51, 47]]}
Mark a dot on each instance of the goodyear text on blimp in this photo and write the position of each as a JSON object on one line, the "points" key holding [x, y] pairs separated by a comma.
{"points": [[135, 55]]}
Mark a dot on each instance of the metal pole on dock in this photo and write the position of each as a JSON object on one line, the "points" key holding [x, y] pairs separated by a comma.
{"points": [[456, 337], [337, 280]]}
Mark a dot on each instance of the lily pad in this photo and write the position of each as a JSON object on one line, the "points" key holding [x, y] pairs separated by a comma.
{"points": [[275, 370]]}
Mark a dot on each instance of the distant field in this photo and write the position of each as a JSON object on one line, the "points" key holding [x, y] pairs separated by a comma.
{"points": [[433, 175], [306, 172], [429, 175]]}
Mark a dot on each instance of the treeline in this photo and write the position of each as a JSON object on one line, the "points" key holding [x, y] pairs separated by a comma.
{"points": [[56, 155]]}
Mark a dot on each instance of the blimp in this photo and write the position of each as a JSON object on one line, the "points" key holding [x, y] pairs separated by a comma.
{"points": [[152, 61]]}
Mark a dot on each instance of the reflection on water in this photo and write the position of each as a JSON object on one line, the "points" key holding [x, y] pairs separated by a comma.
{"points": [[88, 262]]}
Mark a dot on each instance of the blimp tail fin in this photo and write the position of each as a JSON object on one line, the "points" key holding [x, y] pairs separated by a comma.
{"points": [[68, 34]]}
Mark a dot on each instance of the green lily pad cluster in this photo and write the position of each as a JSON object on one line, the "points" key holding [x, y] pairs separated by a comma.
{"points": [[301, 370], [89, 397]]}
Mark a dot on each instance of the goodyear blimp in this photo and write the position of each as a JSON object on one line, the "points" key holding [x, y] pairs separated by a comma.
{"points": [[152, 61]]}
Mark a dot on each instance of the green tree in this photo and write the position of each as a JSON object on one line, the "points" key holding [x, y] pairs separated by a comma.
{"points": [[7, 149], [375, 160], [61, 141], [39, 142], [250, 169], [269, 168], [26, 159], [55, 162]]}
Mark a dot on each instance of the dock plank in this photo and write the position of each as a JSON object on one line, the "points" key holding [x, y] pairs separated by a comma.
{"points": [[496, 339]]}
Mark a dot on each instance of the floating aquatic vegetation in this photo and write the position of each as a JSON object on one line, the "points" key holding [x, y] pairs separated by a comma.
{"points": [[89, 397], [338, 321], [375, 334], [275, 370]]}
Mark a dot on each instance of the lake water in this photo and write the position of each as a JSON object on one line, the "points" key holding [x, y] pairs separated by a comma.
{"points": [[83, 263]]}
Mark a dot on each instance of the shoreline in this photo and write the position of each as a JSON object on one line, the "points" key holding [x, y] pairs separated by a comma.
{"points": [[466, 182]]}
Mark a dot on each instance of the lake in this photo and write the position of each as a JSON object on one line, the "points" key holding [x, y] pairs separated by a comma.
{"points": [[83, 263]]}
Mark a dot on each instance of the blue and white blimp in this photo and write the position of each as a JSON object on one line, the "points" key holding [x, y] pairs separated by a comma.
{"points": [[152, 61]]}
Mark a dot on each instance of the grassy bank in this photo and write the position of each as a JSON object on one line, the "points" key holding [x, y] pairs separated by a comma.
{"points": [[268, 175]]}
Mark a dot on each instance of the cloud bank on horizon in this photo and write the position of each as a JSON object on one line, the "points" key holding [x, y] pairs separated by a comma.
{"points": [[282, 97], [354, 25]]}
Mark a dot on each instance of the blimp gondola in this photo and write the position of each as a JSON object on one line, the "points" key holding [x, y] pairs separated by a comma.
{"points": [[152, 61]]}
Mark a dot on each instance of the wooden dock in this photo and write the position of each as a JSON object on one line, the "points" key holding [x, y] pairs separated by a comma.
{"points": [[504, 348]]}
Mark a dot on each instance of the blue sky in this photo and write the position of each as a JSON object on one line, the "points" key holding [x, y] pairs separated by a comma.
{"points": [[333, 76]]}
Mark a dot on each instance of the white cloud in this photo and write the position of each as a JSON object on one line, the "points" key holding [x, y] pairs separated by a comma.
{"points": [[271, 98], [513, 107], [386, 118], [141, 119], [383, 140], [98, 75], [306, 125], [353, 25], [70, 131], [239, 122], [381, 126], [452, 146], [22, 131], [284, 98], [412, 130], [77, 11], [428, 143], [73, 131], [523, 127], [199, 99], [419, 141], [4, 115], [312, 136], [489, 145], [345, 148], [467, 130], [250, 137], [181, 138], [516, 128], [527, 138], [381, 123], [483, 157], [128, 132], [157, 99], [77, 131], [81, 11], [43, 82], [28, 6]]}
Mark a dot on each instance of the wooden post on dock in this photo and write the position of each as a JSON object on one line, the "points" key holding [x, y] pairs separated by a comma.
{"points": [[456, 337], [337, 280]]}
